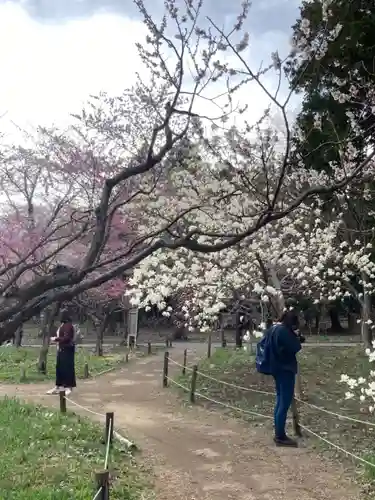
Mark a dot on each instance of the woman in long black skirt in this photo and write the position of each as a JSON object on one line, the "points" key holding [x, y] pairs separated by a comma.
{"points": [[65, 370]]}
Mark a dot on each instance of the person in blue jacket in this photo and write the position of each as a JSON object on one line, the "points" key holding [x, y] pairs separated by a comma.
{"points": [[285, 344]]}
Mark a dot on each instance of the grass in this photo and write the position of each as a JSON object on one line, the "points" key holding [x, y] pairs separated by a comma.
{"points": [[12, 360], [321, 368], [47, 456], [334, 339]]}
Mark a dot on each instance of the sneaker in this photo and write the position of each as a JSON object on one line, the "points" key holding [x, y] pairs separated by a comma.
{"points": [[286, 442], [55, 390], [67, 391]]}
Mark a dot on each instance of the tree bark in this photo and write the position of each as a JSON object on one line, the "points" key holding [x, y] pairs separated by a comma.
{"points": [[18, 337], [318, 316], [335, 320], [100, 334], [238, 330], [351, 322], [47, 329], [366, 332], [126, 306], [279, 298]]}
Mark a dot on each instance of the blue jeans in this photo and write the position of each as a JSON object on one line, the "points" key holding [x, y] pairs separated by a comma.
{"points": [[284, 381]]}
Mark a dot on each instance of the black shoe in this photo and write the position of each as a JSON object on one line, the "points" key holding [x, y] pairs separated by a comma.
{"points": [[286, 442]]}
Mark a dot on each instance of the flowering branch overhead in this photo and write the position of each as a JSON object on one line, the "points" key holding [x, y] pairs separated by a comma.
{"points": [[169, 169]]}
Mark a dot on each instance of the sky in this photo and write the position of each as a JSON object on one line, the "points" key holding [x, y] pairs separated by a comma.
{"points": [[55, 53]]}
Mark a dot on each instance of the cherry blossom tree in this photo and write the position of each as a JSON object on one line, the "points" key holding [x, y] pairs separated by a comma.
{"points": [[175, 159]]}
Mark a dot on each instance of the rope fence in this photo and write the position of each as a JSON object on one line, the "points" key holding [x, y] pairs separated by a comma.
{"points": [[24, 367], [268, 393], [98, 494], [102, 478], [296, 418]]}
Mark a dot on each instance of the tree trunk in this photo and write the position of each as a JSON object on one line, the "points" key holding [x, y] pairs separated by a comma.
{"points": [[125, 327], [351, 323], [279, 297], [47, 329], [366, 332], [318, 316], [18, 337], [100, 335], [238, 330], [335, 320]]}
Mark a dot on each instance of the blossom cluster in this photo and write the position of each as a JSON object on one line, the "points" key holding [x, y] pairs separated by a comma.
{"points": [[361, 387]]}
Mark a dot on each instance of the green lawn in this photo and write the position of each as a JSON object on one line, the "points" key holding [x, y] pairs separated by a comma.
{"points": [[49, 456], [321, 368], [13, 360]]}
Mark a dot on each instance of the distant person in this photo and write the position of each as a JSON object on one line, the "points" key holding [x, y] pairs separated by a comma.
{"points": [[65, 370], [276, 356]]}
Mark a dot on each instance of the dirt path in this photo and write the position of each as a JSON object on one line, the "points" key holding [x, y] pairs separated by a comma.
{"points": [[201, 455]]}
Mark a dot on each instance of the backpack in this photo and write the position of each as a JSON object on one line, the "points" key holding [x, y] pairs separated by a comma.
{"points": [[263, 358]]}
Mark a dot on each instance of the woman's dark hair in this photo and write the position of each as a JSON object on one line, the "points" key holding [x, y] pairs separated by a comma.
{"points": [[290, 319], [65, 317]]}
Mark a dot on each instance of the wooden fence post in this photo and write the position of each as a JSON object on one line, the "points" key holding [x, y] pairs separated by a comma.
{"points": [[165, 369], [127, 358], [23, 373], [149, 349], [102, 482], [62, 402], [193, 383], [86, 371], [109, 423], [296, 426], [222, 335], [299, 389], [184, 363], [209, 344]]}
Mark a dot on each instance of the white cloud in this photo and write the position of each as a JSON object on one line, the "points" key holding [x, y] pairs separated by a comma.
{"points": [[47, 71]]}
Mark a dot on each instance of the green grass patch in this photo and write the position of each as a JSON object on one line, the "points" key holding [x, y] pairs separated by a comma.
{"points": [[333, 338], [47, 456], [13, 360], [321, 369]]}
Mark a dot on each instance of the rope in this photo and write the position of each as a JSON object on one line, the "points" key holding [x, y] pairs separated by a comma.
{"points": [[98, 493], [178, 385], [108, 444], [103, 372], [307, 429], [343, 417], [234, 408], [248, 389], [121, 438], [84, 408], [356, 457], [222, 381]]}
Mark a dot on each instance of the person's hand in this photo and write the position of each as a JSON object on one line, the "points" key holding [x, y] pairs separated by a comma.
{"points": [[301, 338], [53, 339]]}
